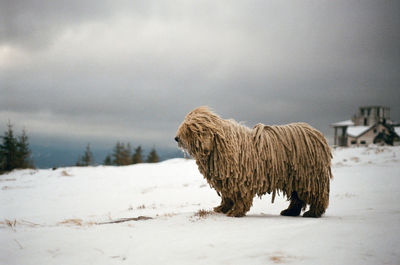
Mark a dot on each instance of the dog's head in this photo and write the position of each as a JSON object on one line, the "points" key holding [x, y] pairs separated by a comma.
{"points": [[197, 133]]}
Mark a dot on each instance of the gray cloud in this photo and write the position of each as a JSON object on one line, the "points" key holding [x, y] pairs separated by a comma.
{"points": [[111, 70]]}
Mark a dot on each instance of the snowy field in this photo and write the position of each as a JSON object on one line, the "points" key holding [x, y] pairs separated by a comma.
{"points": [[67, 216]]}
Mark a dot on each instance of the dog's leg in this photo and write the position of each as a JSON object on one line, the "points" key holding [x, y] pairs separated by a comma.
{"points": [[318, 208], [295, 206], [314, 211], [226, 205], [239, 209], [241, 206]]}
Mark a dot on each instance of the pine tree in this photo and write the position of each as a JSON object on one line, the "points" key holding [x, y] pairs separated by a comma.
{"points": [[107, 161], [79, 162], [126, 154], [122, 154], [153, 157], [137, 156], [117, 154], [87, 158], [23, 152], [14, 152], [8, 150]]}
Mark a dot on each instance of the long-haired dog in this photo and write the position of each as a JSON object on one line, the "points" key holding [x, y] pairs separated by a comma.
{"points": [[241, 163]]}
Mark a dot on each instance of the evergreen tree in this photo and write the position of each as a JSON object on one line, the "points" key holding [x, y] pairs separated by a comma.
{"points": [[126, 154], [23, 152], [14, 152], [87, 158], [107, 161], [137, 156], [117, 154], [153, 157], [8, 150], [122, 154], [79, 162]]}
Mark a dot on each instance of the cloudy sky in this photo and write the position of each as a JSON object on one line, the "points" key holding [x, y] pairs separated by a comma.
{"points": [[100, 71]]}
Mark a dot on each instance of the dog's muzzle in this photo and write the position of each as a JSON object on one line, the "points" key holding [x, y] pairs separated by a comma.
{"points": [[177, 139]]}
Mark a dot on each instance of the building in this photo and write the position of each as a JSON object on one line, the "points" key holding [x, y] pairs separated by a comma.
{"points": [[371, 125]]}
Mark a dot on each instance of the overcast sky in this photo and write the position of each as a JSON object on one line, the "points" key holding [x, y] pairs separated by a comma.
{"points": [[100, 71]]}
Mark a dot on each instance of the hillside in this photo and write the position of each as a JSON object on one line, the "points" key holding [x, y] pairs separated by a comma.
{"points": [[68, 216]]}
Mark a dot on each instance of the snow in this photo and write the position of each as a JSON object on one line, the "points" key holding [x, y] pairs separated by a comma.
{"points": [[343, 123], [52, 217], [356, 131]]}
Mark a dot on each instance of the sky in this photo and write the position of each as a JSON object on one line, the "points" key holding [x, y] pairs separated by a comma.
{"points": [[76, 72]]}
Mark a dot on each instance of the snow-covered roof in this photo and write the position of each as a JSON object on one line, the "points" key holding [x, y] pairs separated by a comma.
{"points": [[397, 130], [356, 131], [343, 123]]}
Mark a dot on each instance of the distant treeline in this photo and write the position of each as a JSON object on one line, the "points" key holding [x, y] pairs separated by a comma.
{"points": [[14, 151], [122, 155]]}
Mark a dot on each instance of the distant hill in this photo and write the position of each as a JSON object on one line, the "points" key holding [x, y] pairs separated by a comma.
{"points": [[50, 156]]}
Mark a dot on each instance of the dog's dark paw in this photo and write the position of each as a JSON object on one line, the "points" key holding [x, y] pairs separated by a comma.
{"points": [[290, 212], [311, 214]]}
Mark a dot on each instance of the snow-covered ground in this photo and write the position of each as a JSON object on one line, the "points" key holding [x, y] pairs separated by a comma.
{"points": [[60, 217]]}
